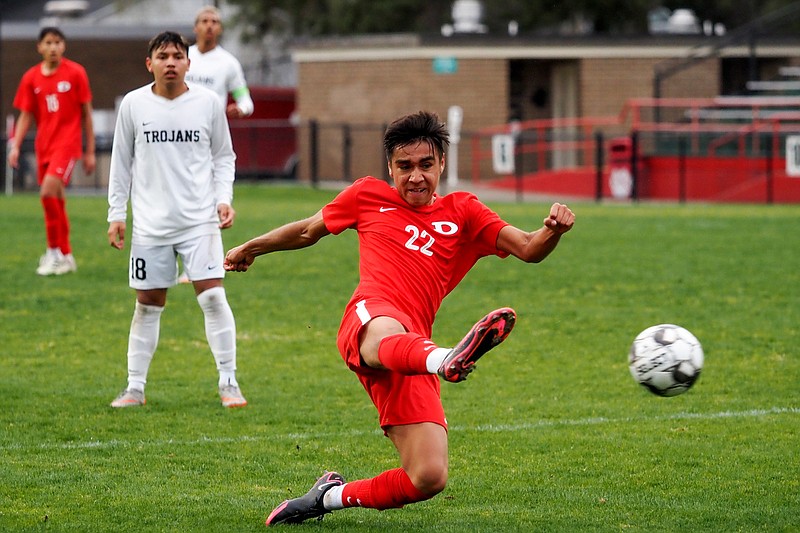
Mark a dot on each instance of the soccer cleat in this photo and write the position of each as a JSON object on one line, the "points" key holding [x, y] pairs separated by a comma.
{"points": [[50, 262], [66, 265], [490, 331], [129, 398], [231, 396], [308, 506]]}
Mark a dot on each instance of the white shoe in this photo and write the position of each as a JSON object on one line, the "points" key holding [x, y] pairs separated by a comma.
{"points": [[231, 396], [49, 262], [129, 398], [66, 265]]}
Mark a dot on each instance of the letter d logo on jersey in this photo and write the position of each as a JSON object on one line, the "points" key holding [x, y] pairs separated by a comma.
{"points": [[444, 228]]}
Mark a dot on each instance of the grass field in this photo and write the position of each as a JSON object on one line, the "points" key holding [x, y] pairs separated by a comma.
{"points": [[549, 434]]}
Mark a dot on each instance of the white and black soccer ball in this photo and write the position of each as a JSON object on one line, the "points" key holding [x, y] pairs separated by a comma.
{"points": [[666, 359]]}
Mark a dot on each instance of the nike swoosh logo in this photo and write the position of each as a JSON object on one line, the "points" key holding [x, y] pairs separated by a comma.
{"points": [[384, 209], [147, 123], [212, 267], [325, 486]]}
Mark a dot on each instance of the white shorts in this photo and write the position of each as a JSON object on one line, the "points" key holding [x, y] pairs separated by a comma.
{"points": [[156, 267]]}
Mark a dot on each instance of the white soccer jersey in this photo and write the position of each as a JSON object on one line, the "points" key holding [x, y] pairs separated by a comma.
{"points": [[221, 72], [173, 159]]}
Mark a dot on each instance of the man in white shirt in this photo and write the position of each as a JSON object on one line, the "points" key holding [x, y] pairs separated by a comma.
{"points": [[216, 68], [172, 158]]}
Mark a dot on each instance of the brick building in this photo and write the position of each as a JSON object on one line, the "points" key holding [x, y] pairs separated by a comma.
{"points": [[353, 86]]}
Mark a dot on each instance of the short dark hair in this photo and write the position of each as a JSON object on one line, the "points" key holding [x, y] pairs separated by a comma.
{"points": [[48, 30], [165, 38], [423, 126]]}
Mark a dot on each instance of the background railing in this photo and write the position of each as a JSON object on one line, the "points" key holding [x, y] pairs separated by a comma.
{"points": [[712, 149], [741, 149]]}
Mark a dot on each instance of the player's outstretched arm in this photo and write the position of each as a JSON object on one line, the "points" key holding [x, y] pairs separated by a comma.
{"points": [[533, 247], [291, 236]]}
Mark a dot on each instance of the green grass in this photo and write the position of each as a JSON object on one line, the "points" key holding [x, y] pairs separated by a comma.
{"points": [[550, 434]]}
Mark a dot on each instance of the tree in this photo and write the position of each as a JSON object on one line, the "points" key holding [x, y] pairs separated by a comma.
{"points": [[350, 17], [339, 17]]}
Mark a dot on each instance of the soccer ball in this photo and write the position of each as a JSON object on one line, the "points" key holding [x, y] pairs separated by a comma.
{"points": [[666, 359]]}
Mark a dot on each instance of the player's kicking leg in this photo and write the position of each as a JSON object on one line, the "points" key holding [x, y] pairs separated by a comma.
{"points": [[307, 506], [490, 331]]}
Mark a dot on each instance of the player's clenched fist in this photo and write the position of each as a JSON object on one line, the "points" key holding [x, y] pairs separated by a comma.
{"points": [[561, 218], [237, 260]]}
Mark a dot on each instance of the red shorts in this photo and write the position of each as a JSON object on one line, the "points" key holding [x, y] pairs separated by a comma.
{"points": [[400, 399], [59, 165]]}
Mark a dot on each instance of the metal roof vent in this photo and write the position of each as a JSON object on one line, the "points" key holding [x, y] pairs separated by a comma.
{"points": [[683, 21], [66, 8], [467, 16]]}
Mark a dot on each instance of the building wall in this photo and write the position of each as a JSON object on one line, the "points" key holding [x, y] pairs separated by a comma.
{"points": [[370, 94], [702, 80], [606, 84]]}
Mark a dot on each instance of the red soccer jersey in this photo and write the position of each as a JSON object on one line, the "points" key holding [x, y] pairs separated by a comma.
{"points": [[55, 102], [412, 257]]}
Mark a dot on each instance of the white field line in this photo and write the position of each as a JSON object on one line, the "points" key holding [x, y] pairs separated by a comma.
{"points": [[491, 428]]}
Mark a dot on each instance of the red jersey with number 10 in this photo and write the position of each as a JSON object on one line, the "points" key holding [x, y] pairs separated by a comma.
{"points": [[55, 101], [412, 257]]}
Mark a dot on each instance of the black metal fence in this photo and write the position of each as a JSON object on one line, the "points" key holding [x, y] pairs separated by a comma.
{"points": [[585, 162]]}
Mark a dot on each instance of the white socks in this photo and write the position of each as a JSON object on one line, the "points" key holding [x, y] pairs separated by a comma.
{"points": [[332, 500], [55, 253], [436, 358], [220, 332], [142, 343]]}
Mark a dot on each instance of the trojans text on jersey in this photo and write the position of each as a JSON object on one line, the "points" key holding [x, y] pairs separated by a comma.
{"points": [[172, 136]]}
